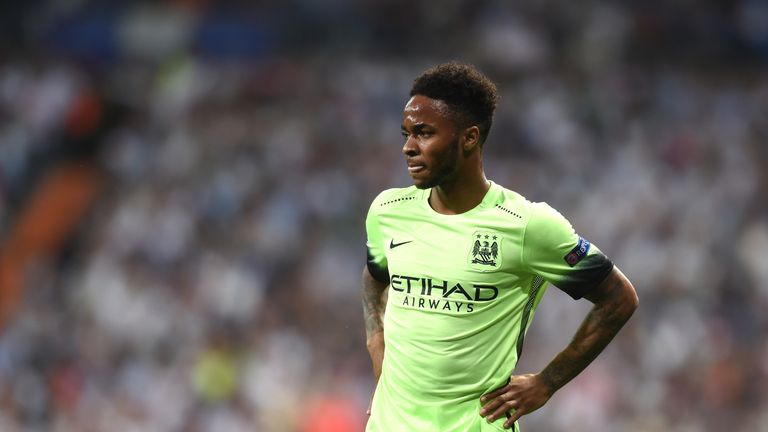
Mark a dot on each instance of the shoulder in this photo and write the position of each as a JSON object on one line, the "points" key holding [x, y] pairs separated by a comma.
{"points": [[542, 214], [538, 217], [394, 198], [546, 227], [515, 205]]}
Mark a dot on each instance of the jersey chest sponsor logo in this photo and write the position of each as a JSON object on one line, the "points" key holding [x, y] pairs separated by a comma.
{"points": [[443, 288], [485, 251], [443, 295]]}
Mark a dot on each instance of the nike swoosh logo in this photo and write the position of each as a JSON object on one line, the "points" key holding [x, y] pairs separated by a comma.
{"points": [[393, 245]]}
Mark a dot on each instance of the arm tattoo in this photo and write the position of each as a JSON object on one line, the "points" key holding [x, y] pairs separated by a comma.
{"points": [[374, 302], [599, 327]]}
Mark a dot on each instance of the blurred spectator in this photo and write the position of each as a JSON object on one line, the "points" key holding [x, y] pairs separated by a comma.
{"points": [[213, 286]]}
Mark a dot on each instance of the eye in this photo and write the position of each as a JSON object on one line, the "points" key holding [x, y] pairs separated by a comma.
{"points": [[404, 134]]}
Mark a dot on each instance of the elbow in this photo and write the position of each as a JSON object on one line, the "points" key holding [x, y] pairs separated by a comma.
{"points": [[625, 294], [631, 300]]}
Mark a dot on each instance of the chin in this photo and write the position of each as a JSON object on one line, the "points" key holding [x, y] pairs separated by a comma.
{"points": [[424, 183]]}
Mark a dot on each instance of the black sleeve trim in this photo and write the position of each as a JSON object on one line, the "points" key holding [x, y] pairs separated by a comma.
{"points": [[586, 276], [379, 272]]}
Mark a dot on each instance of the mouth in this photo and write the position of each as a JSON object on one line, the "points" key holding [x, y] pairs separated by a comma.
{"points": [[414, 168]]}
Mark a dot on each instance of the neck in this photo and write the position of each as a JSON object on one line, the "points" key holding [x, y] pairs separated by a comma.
{"points": [[460, 194]]}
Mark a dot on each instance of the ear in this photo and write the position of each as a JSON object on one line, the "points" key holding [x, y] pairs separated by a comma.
{"points": [[470, 138]]}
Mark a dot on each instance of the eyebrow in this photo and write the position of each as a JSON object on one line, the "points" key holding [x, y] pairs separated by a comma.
{"points": [[416, 127]]}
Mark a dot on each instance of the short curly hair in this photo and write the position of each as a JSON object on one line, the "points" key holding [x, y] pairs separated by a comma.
{"points": [[471, 97]]}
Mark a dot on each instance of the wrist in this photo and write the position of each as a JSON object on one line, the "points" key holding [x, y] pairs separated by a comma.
{"points": [[548, 382]]}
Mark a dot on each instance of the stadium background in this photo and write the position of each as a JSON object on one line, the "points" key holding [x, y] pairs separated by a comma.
{"points": [[183, 186]]}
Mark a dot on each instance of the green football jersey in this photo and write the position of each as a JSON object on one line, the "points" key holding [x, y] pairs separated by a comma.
{"points": [[462, 291]]}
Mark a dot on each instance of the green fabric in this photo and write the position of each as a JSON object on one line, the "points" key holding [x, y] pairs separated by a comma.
{"points": [[462, 292]]}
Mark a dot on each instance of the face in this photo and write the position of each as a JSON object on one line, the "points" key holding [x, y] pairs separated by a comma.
{"points": [[432, 142]]}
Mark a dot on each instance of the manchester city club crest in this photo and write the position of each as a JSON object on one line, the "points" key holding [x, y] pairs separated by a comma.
{"points": [[485, 254]]}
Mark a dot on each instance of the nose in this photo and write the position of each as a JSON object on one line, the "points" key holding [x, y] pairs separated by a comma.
{"points": [[410, 148]]}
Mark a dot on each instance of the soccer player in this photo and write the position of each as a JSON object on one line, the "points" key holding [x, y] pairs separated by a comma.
{"points": [[456, 267]]}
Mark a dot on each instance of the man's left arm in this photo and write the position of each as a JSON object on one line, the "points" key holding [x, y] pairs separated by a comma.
{"points": [[615, 300]]}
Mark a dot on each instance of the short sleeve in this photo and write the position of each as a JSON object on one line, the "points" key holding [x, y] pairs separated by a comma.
{"points": [[553, 250], [377, 259]]}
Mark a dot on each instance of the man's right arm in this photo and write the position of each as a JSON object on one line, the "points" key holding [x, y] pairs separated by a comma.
{"points": [[374, 303]]}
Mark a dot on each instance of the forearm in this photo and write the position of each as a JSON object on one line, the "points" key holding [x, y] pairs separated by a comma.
{"points": [[615, 302]]}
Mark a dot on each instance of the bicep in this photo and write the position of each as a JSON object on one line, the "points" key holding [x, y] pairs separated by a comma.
{"points": [[371, 285], [374, 295], [615, 289]]}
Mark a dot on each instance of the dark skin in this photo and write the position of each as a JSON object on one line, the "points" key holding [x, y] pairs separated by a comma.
{"points": [[446, 156], [443, 156]]}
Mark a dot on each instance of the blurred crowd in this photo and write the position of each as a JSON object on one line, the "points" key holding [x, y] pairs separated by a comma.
{"points": [[214, 283]]}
